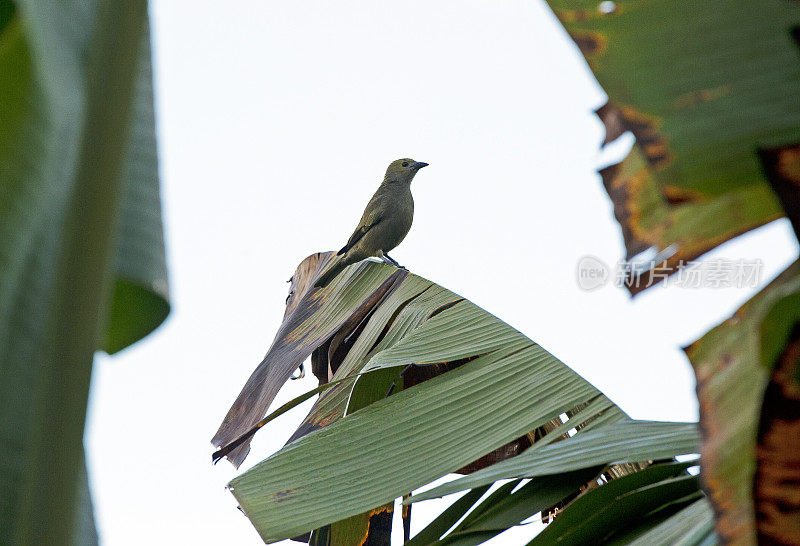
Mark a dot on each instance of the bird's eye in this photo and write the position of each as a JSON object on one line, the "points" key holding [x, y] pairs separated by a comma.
{"points": [[405, 163]]}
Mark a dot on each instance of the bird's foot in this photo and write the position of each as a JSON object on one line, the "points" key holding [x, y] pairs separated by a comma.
{"points": [[393, 261]]}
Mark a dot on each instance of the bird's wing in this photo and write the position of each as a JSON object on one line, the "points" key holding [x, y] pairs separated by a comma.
{"points": [[360, 231], [373, 215]]}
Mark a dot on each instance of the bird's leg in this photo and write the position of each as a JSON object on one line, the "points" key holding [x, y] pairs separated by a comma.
{"points": [[392, 260]]}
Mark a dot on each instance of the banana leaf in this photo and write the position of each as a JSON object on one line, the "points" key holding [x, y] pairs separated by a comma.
{"points": [[601, 512], [371, 329], [618, 442], [81, 254], [747, 383], [708, 90], [694, 524]]}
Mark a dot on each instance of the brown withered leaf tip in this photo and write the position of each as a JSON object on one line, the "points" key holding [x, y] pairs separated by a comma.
{"points": [[637, 196], [623, 191], [777, 480], [626, 189], [618, 118]]}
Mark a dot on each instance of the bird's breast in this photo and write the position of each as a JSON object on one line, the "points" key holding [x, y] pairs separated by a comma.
{"points": [[399, 221]]}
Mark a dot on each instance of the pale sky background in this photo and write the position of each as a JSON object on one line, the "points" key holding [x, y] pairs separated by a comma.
{"points": [[276, 122]]}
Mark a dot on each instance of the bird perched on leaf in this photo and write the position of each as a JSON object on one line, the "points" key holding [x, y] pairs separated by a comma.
{"points": [[385, 221]]}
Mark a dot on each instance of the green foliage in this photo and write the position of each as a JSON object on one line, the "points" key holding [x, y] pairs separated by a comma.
{"points": [[80, 217], [618, 442], [733, 375], [365, 444], [706, 90], [709, 92]]}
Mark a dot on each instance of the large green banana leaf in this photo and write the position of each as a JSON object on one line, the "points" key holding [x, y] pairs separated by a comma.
{"points": [[372, 330], [81, 254], [709, 90]]}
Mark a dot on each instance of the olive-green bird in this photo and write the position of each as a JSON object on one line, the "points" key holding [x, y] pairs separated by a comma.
{"points": [[385, 221]]}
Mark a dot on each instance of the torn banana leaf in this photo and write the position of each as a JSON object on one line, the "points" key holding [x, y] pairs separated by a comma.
{"points": [[370, 330], [374, 321], [316, 316], [709, 90]]}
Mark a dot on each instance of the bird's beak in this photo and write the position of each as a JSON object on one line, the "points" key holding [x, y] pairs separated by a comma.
{"points": [[417, 165]]}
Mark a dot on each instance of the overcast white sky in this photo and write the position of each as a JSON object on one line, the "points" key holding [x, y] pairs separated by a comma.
{"points": [[276, 123]]}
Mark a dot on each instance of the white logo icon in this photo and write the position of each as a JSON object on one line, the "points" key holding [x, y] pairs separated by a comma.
{"points": [[592, 273]]}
